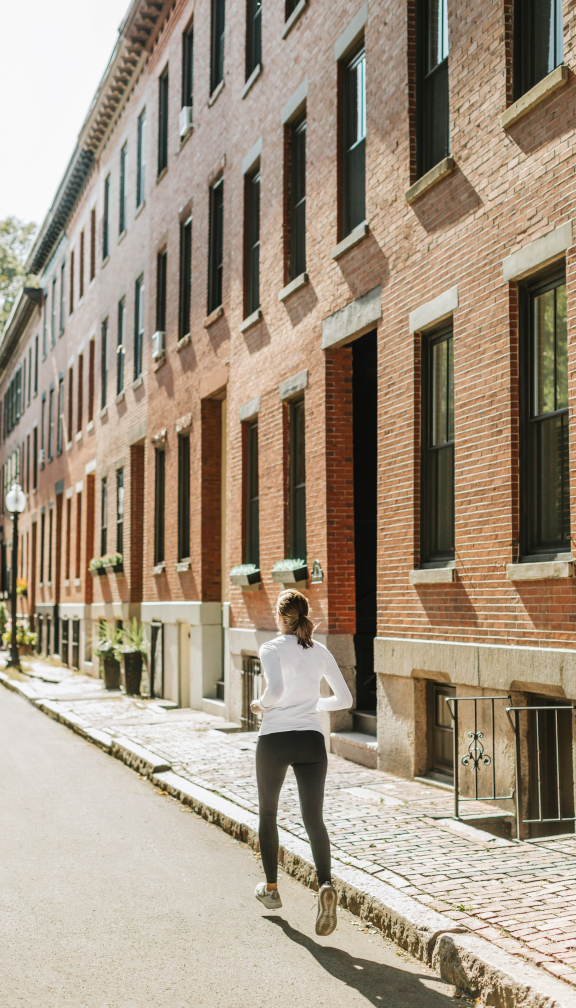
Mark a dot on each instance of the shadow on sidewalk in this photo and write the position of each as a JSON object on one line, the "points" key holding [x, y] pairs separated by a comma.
{"points": [[379, 983]]}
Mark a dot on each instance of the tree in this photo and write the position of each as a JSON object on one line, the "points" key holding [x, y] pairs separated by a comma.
{"points": [[15, 241]]}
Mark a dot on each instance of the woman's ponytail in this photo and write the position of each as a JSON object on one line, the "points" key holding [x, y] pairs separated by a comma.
{"points": [[294, 609]]}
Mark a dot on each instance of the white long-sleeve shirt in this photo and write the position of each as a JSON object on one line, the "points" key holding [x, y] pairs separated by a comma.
{"points": [[291, 700]]}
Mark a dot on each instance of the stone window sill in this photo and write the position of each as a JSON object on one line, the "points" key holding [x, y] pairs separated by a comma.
{"points": [[140, 209], [436, 575], [90, 425], [430, 179], [161, 174], [159, 362], [122, 236], [293, 286], [251, 320], [181, 566], [184, 342], [184, 139], [77, 582], [350, 240], [295, 15], [534, 96], [540, 570], [213, 316], [78, 436], [103, 412], [217, 90], [251, 80], [104, 263], [120, 398], [159, 568], [69, 445], [137, 382], [66, 582]]}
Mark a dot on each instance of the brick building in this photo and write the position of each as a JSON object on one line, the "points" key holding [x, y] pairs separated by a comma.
{"points": [[305, 317]]}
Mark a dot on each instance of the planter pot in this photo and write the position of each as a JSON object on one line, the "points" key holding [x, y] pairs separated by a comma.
{"points": [[113, 568], [111, 673], [290, 577], [97, 571], [240, 580], [24, 649], [133, 672]]}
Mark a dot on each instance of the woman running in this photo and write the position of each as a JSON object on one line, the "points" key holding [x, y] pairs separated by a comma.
{"points": [[290, 735]]}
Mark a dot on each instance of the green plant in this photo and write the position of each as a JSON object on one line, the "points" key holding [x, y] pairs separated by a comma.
{"points": [[96, 563], [133, 641], [24, 636], [247, 568], [288, 565], [3, 617], [112, 559], [107, 641]]}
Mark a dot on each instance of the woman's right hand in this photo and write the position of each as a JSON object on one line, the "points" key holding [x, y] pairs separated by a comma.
{"points": [[256, 708]]}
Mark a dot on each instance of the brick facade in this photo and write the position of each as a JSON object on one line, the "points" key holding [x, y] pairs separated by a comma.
{"points": [[507, 189]]}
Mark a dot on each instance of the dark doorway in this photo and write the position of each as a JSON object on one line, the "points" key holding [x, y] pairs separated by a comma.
{"points": [[365, 442]]}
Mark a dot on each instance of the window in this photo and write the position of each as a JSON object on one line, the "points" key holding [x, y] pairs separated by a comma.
{"points": [[216, 249], [354, 142], [297, 487], [252, 243], [297, 200], [70, 403], [183, 496], [104, 516], [433, 128], [62, 297], [80, 391], [81, 270], [163, 122], [54, 310], [138, 326], [28, 463], [60, 428], [159, 501], [103, 363], [45, 327], [289, 8], [141, 159], [35, 458], [538, 42], [185, 278], [217, 55], [51, 423], [23, 398], [92, 244], [42, 538], [120, 348], [188, 68], [545, 458], [106, 220], [91, 369], [122, 192], [437, 525], [78, 534], [42, 430], [50, 530], [68, 538], [253, 35], [120, 511], [252, 530], [72, 281], [36, 365], [161, 279]]}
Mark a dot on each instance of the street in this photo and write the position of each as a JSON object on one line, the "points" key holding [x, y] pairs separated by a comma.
{"points": [[116, 895]]}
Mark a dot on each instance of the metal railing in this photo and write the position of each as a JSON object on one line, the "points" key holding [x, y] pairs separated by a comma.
{"points": [[476, 757], [541, 779], [251, 690]]}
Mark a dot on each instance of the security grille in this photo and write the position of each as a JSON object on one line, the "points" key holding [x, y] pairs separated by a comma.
{"points": [[251, 690]]}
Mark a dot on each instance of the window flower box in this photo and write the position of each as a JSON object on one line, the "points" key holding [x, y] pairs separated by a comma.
{"points": [[245, 575], [290, 573]]}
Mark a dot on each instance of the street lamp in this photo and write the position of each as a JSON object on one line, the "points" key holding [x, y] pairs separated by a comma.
{"points": [[15, 504]]}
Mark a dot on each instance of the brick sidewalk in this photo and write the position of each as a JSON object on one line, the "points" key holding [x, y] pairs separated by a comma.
{"points": [[520, 896]]}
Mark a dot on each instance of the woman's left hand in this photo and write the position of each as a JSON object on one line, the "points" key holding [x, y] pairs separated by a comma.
{"points": [[256, 708]]}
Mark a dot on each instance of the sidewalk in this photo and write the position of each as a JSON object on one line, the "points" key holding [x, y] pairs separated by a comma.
{"points": [[520, 897]]}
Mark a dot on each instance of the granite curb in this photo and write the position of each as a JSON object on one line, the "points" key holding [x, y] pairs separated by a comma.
{"points": [[470, 962]]}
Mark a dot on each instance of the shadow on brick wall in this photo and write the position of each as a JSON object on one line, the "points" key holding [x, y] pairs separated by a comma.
{"points": [[447, 203]]}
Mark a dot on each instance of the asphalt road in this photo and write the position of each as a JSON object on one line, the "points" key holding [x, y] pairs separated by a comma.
{"points": [[113, 895]]}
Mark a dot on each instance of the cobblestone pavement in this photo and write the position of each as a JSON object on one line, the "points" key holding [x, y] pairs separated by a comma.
{"points": [[521, 896]]}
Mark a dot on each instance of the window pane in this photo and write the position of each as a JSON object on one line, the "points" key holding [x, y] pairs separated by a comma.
{"points": [[437, 48], [553, 503], [544, 363], [561, 349], [442, 392]]}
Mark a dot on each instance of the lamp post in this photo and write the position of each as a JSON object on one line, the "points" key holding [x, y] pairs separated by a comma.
{"points": [[15, 504]]}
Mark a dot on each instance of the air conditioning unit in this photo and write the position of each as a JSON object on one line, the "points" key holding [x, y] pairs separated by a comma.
{"points": [[185, 120], [158, 344]]}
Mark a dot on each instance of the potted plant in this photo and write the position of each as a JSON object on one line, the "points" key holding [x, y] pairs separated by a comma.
{"points": [[290, 573], [25, 638], [106, 647], [244, 575], [22, 587], [113, 562], [96, 567], [132, 650]]}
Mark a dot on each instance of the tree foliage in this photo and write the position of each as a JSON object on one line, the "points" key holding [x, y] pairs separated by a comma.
{"points": [[15, 241]]}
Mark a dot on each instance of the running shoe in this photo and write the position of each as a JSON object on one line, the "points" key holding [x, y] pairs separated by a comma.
{"points": [[326, 917], [269, 897]]}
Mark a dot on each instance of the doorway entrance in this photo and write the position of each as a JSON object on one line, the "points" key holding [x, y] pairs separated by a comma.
{"points": [[365, 445]]}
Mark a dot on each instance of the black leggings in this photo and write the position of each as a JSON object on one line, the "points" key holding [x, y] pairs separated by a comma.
{"points": [[305, 751]]}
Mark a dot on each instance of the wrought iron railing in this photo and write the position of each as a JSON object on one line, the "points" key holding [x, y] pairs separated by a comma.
{"points": [[251, 690], [477, 757], [545, 785]]}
